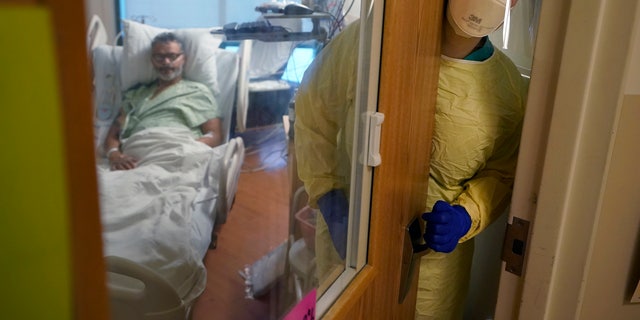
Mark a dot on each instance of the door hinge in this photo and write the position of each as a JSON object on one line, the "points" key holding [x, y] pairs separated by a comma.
{"points": [[515, 245]]}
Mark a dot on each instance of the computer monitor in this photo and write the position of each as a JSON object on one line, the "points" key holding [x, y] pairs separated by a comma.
{"points": [[299, 61], [232, 46]]}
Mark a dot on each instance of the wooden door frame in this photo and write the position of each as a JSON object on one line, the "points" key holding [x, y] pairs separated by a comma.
{"points": [[407, 95], [88, 272]]}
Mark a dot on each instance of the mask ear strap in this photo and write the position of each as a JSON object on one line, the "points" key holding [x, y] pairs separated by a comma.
{"points": [[506, 24]]}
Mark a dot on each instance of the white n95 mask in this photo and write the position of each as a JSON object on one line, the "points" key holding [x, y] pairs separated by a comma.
{"points": [[477, 18]]}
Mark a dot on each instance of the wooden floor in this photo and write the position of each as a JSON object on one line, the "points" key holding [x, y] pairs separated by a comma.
{"points": [[257, 223]]}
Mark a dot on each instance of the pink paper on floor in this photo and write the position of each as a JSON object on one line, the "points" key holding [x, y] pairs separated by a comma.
{"points": [[305, 309]]}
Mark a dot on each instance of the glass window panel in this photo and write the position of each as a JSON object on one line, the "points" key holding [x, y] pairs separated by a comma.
{"points": [[257, 263]]}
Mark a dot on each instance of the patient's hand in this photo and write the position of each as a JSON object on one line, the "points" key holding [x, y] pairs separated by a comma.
{"points": [[210, 141], [121, 161]]}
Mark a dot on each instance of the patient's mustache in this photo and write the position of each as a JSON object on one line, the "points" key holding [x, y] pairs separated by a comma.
{"points": [[168, 73]]}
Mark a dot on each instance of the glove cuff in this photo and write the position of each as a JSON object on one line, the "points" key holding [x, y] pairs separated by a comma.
{"points": [[464, 219]]}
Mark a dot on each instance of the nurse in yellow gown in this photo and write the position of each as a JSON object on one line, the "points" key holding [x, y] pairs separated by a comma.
{"points": [[479, 112]]}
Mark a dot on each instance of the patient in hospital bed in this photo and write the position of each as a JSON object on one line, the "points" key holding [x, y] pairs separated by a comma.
{"points": [[169, 101], [159, 189]]}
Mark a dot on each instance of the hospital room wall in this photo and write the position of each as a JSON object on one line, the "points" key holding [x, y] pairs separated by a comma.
{"points": [[585, 250], [106, 10]]}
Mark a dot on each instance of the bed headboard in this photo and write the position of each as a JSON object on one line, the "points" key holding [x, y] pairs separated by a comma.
{"points": [[117, 68]]}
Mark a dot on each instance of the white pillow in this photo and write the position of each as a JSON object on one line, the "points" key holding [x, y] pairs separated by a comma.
{"points": [[200, 51]]}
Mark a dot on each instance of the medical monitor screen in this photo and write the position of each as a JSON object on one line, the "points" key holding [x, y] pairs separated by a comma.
{"points": [[232, 46], [298, 63]]}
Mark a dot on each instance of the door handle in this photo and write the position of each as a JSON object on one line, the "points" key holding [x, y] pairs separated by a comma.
{"points": [[414, 247]]}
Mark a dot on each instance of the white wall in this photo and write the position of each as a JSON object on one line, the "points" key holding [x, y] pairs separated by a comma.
{"points": [[106, 10], [613, 268], [583, 256]]}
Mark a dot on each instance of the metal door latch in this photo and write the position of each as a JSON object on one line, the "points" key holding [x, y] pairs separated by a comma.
{"points": [[515, 245]]}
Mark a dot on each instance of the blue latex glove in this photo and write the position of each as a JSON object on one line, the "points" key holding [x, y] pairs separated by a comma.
{"points": [[335, 211], [446, 224]]}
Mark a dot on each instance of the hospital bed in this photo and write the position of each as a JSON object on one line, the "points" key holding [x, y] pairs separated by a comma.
{"points": [[160, 219]]}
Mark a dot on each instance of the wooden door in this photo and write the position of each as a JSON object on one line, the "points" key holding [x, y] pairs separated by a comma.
{"points": [[407, 94]]}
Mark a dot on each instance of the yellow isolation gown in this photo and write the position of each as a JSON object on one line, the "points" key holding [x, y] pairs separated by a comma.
{"points": [[479, 112]]}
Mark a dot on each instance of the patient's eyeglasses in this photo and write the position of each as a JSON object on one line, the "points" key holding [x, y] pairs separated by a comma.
{"points": [[161, 57]]}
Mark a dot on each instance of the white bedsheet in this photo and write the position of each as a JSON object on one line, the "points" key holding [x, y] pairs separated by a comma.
{"points": [[161, 213]]}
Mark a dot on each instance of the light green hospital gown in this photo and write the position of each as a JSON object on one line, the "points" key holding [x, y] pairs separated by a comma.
{"points": [[186, 104]]}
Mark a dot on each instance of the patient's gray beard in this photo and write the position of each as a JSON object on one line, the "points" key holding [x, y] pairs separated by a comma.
{"points": [[168, 77]]}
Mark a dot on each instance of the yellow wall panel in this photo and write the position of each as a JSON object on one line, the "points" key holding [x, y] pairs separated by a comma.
{"points": [[34, 227]]}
